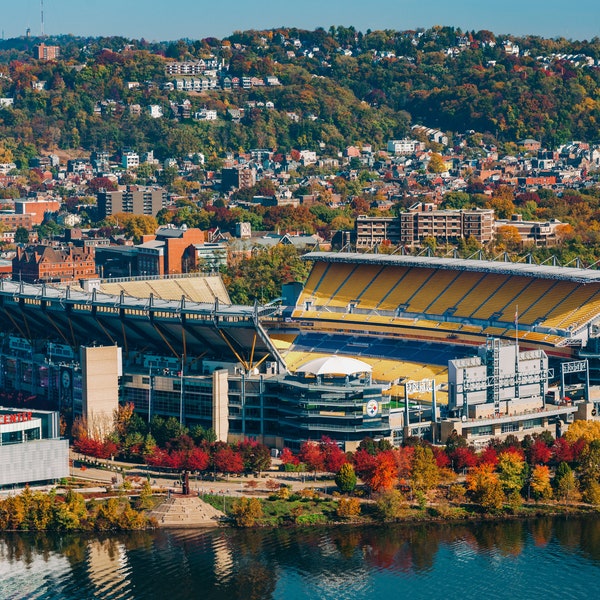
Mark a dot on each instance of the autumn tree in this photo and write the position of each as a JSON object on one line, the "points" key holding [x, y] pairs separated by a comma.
{"points": [[246, 511], [589, 468], [227, 460], [586, 430], [484, 487], [333, 455], [384, 475], [348, 507], [425, 472], [312, 456], [511, 468], [540, 482]]}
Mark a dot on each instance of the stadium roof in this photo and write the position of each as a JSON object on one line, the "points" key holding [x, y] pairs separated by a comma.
{"points": [[334, 365], [482, 266]]}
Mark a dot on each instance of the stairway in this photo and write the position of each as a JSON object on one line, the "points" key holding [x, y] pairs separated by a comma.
{"points": [[186, 511]]}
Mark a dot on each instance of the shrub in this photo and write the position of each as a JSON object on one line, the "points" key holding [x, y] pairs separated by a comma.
{"points": [[348, 507]]}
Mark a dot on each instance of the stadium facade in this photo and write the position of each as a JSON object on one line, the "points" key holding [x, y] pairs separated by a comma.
{"points": [[216, 364]]}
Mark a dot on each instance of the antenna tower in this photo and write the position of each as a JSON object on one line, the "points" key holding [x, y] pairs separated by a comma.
{"points": [[42, 13]]}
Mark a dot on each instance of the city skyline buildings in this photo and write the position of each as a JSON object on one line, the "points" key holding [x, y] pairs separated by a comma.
{"points": [[159, 21]]}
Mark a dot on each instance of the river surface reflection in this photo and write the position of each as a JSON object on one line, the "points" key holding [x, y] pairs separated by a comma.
{"points": [[545, 558]]}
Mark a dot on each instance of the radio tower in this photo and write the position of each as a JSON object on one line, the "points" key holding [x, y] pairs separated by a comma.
{"points": [[42, 11]]}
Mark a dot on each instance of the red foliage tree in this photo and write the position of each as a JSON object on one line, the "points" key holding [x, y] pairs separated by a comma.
{"points": [[89, 447], [578, 446], [463, 458], [177, 459], [288, 457], [489, 456], [198, 460], [404, 459], [228, 460], [312, 456], [334, 457], [364, 463], [562, 451], [442, 460], [539, 453], [385, 474], [158, 458]]}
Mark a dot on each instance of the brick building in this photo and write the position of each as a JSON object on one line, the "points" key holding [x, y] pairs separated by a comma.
{"points": [[163, 253], [53, 265], [36, 208]]}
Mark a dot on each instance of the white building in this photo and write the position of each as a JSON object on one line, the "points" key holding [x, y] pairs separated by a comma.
{"points": [[130, 160], [31, 450], [155, 111], [404, 146]]}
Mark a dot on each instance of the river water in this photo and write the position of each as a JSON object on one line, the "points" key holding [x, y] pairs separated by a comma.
{"points": [[544, 558]]}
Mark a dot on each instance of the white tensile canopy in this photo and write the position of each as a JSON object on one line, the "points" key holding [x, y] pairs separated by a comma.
{"points": [[334, 365]]}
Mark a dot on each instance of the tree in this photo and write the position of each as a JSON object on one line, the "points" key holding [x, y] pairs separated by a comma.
{"points": [[463, 458], [587, 430], [333, 455], [436, 164], [385, 472], [313, 456], [21, 235], [539, 453], [511, 467], [390, 505], [246, 511], [256, 456], [346, 478], [565, 483], [227, 460], [485, 488], [145, 498], [589, 465], [425, 472], [540, 482], [197, 460]]}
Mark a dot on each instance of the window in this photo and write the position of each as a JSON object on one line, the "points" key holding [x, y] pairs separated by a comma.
{"points": [[510, 427]]}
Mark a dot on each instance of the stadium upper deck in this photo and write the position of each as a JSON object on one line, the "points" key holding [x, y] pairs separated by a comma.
{"points": [[450, 299], [172, 327]]}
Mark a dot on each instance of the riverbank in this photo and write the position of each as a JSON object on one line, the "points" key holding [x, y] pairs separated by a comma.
{"points": [[307, 511]]}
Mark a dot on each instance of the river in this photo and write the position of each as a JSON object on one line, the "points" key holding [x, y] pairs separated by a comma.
{"points": [[543, 558]]}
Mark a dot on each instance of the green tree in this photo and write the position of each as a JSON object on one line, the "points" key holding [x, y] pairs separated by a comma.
{"points": [[565, 483], [346, 478], [21, 235]]}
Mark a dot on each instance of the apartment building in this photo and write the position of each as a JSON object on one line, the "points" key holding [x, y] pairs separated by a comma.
{"points": [[137, 200], [423, 220], [371, 231]]}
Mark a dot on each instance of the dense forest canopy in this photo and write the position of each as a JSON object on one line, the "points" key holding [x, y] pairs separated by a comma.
{"points": [[342, 85]]}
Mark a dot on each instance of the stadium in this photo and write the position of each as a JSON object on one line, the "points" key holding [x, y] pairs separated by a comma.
{"points": [[423, 347]]}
